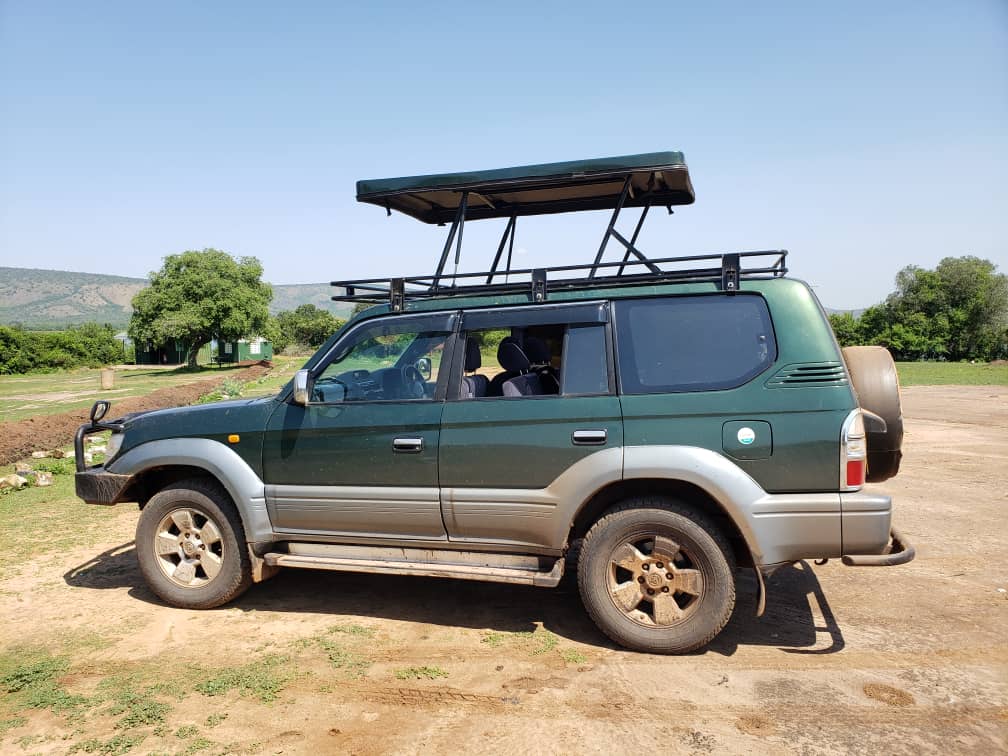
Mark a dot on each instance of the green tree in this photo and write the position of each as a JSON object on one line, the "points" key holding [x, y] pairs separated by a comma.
{"points": [[198, 296], [977, 297], [308, 325], [846, 328], [958, 311]]}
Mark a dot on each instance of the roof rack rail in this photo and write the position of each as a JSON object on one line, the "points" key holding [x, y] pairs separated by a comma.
{"points": [[725, 269]]}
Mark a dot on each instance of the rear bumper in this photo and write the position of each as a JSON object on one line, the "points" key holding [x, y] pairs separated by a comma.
{"points": [[855, 526], [96, 486], [869, 539], [899, 551]]}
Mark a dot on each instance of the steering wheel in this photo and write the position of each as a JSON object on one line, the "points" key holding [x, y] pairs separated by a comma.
{"points": [[414, 385], [339, 391]]}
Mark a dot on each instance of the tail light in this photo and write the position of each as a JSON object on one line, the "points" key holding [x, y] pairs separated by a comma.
{"points": [[853, 452]]}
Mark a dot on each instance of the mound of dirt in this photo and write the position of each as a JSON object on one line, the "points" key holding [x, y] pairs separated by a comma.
{"points": [[19, 438]]}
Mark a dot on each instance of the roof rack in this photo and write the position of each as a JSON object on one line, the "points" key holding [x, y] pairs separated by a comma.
{"points": [[724, 269], [641, 181]]}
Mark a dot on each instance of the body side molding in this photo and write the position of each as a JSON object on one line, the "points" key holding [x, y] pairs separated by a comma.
{"points": [[539, 517]]}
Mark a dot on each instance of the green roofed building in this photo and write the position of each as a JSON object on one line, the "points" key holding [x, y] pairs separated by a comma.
{"points": [[243, 350]]}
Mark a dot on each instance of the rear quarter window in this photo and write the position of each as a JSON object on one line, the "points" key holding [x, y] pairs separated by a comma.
{"points": [[700, 343]]}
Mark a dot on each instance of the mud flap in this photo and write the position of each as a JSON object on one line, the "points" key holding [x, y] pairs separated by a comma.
{"points": [[260, 570]]}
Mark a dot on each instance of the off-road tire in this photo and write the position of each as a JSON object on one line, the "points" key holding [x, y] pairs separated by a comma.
{"points": [[636, 520], [209, 500]]}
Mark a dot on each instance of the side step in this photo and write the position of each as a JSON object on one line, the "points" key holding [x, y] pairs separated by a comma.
{"points": [[432, 568]]}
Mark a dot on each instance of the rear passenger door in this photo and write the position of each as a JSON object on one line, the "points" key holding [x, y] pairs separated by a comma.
{"points": [[514, 468]]}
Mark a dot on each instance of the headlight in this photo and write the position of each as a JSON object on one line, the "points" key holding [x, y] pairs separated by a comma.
{"points": [[114, 444]]}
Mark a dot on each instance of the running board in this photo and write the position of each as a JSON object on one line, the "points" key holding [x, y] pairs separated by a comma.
{"points": [[489, 574]]}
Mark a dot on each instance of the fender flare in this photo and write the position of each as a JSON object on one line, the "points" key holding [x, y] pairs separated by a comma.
{"points": [[725, 482], [245, 487], [777, 528]]}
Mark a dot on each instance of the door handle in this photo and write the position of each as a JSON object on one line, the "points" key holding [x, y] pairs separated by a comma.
{"points": [[589, 437], [408, 445]]}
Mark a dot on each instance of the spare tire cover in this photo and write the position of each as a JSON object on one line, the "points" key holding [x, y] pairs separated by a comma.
{"points": [[873, 374]]}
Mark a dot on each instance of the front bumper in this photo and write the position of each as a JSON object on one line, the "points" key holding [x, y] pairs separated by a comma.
{"points": [[94, 484], [97, 486]]}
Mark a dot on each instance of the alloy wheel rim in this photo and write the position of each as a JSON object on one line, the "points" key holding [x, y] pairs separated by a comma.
{"points": [[654, 581], [189, 547]]}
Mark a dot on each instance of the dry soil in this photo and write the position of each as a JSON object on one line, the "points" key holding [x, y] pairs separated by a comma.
{"points": [[846, 660]]}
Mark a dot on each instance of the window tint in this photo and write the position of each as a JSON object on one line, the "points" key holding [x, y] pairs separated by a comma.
{"points": [[513, 362], [701, 343], [542, 360], [386, 362], [585, 361]]}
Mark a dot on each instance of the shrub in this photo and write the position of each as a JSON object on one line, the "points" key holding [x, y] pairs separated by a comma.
{"points": [[88, 345]]}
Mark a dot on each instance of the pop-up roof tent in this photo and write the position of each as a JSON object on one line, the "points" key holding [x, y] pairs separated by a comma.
{"points": [[637, 181], [656, 178]]}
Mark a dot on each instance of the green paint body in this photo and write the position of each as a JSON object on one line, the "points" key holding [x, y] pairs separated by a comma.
{"points": [[526, 443]]}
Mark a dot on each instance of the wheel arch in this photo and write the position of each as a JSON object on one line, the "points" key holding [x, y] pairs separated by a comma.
{"points": [[685, 491], [144, 484], [163, 462]]}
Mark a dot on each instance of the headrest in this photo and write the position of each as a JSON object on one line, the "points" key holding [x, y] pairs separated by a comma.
{"points": [[511, 356], [537, 351], [473, 359]]}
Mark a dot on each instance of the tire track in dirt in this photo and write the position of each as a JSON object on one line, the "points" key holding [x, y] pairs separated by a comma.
{"points": [[434, 697]]}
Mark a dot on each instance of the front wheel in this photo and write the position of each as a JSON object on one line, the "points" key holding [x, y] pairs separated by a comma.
{"points": [[656, 576], [191, 546]]}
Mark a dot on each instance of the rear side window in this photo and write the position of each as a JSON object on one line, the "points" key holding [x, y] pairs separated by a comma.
{"points": [[585, 366], [701, 343]]}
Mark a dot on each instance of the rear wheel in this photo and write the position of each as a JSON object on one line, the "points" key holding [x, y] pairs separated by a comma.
{"points": [[656, 576], [191, 546]]}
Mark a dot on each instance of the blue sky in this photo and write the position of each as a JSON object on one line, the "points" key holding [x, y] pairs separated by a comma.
{"points": [[860, 136]]}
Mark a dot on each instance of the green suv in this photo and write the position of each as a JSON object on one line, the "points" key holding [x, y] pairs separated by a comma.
{"points": [[659, 422]]}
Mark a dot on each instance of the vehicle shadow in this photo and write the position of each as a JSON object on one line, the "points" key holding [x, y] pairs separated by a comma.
{"points": [[798, 618], [790, 622]]}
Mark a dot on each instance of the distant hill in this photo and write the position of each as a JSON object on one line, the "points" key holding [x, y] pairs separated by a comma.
{"points": [[51, 299], [854, 313]]}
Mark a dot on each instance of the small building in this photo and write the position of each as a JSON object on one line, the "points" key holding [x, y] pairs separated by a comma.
{"points": [[243, 350], [173, 352]]}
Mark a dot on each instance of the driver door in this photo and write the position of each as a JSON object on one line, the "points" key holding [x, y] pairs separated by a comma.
{"points": [[360, 460]]}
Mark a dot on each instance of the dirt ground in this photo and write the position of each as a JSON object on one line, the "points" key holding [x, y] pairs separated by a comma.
{"points": [[42, 432], [846, 660]]}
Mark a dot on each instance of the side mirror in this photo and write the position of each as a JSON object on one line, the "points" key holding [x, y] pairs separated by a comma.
{"points": [[301, 380], [98, 410], [423, 366]]}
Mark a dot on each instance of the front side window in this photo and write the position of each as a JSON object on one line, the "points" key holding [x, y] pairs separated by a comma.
{"points": [[693, 343], [382, 362]]}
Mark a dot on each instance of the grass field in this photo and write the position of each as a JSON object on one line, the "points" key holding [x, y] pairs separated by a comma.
{"points": [[952, 374], [24, 396], [283, 370]]}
